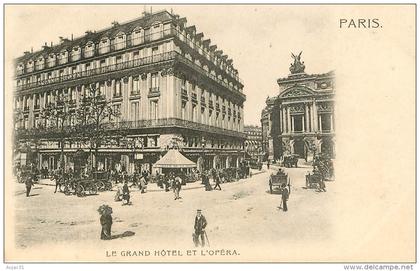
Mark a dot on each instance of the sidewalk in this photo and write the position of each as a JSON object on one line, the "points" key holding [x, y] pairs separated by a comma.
{"points": [[152, 187]]}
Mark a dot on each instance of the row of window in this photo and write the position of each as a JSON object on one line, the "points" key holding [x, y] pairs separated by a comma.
{"points": [[122, 41], [297, 125], [155, 54], [116, 90]]}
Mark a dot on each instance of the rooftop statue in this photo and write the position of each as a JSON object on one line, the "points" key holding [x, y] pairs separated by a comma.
{"points": [[297, 66]]}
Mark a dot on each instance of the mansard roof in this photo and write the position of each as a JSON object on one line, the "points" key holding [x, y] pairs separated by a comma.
{"points": [[128, 27]]}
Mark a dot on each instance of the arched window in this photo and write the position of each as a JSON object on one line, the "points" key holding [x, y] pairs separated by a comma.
{"points": [[89, 49], [119, 41], [137, 37], [20, 68], [76, 53], [104, 46], [156, 31], [51, 60], [40, 63], [63, 57], [30, 66]]}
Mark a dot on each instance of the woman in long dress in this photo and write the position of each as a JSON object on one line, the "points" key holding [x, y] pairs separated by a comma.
{"points": [[106, 221]]}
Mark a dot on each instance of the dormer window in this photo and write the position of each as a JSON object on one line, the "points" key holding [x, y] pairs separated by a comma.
{"points": [[137, 36], [104, 46], [20, 69], [40, 64], [63, 57], [119, 41], [156, 31], [89, 49], [75, 54]]}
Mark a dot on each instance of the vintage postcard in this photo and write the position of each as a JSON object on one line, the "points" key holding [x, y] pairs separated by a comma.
{"points": [[210, 133]]}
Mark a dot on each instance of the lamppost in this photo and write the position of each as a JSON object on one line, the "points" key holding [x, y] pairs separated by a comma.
{"points": [[203, 146]]}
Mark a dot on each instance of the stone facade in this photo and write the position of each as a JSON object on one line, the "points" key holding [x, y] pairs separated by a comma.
{"points": [[300, 120], [253, 142], [166, 79]]}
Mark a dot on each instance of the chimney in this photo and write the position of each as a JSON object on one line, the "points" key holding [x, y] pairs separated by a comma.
{"points": [[32, 49], [52, 44], [72, 36], [26, 53]]}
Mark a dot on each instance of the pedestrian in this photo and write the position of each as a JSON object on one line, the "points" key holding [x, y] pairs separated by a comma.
{"points": [[29, 183], [268, 164], [199, 229], [126, 194], [143, 184], [284, 197], [106, 221], [119, 194], [217, 182], [177, 187], [57, 182], [207, 183], [321, 185]]}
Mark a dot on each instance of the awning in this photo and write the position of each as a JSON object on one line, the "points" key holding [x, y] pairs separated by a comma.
{"points": [[174, 159]]}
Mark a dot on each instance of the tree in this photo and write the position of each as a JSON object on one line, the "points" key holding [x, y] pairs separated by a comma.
{"points": [[94, 116], [58, 118]]}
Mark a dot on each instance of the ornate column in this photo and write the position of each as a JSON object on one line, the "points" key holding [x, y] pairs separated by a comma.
{"points": [[284, 124], [320, 123], [303, 123], [170, 93], [332, 122], [315, 116], [307, 117], [292, 122]]}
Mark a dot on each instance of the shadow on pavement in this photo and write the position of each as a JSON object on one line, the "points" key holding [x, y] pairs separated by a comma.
{"points": [[122, 235]]}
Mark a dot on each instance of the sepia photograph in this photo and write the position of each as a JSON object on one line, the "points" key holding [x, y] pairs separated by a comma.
{"points": [[209, 133]]}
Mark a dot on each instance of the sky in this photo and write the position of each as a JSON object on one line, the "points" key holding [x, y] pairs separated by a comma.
{"points": [[259, 39]]}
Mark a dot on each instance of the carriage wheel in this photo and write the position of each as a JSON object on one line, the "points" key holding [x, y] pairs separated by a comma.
{"points": [[101, 186], [108, 186], [80, 190], [93, 189], [66, 189], [62, 187]]}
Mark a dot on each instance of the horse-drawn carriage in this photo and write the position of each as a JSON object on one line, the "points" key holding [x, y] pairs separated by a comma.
{"points": [[81, 186], [325, 165], [290, 160], [277, 180], [314, 179]]}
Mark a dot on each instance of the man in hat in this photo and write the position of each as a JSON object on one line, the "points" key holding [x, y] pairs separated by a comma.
{"points": [[284, 196], [29, 182], [177, 187], [199, 229], [126, 193], [217, 185]]}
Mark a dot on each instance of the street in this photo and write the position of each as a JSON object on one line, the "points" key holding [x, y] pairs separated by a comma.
{"points": [[241, 213]]}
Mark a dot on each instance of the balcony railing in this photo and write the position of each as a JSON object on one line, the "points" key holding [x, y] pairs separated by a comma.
{"points": [[194, 97], [127, 43], [141, 124], [102, 70], [184, 94], [123, 66], [154, 92]]}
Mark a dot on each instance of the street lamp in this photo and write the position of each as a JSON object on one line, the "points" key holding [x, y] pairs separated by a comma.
{"points": [[203, 145]]}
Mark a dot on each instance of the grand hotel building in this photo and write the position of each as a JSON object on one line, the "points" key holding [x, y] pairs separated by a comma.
{"points": [[168, 81]]}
